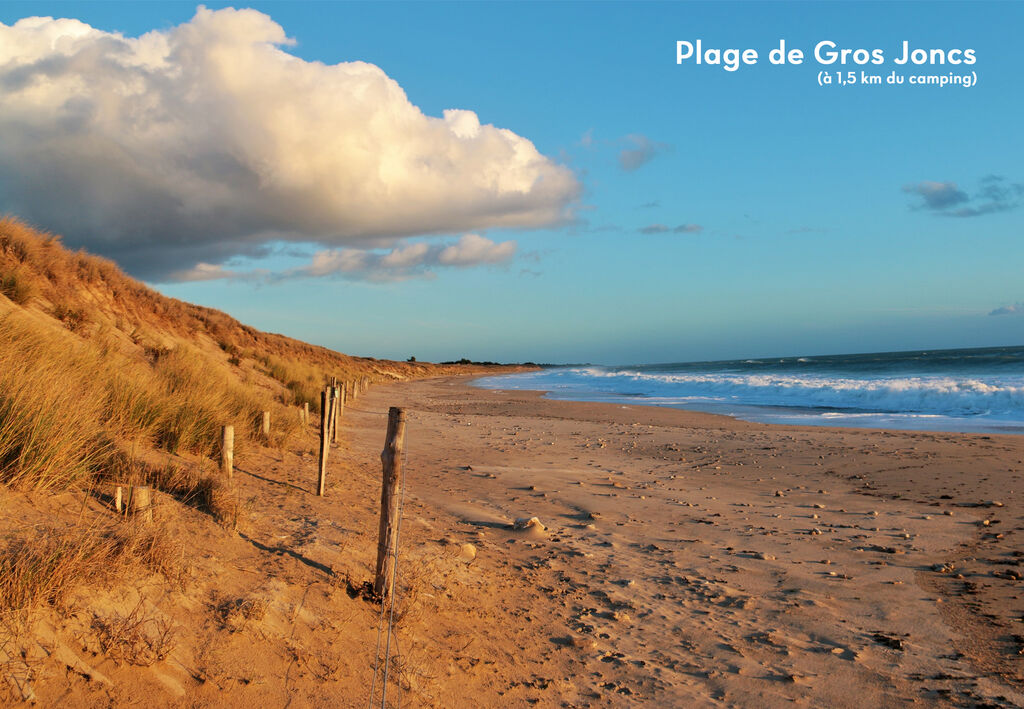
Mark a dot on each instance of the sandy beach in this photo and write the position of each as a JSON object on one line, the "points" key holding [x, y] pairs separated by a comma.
{"points": [[681, 559], [295, 299], [690, 559]]}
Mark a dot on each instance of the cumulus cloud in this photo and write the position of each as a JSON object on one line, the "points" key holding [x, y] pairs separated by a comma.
{"points": [[415, 260], [184, 147], [994, 194], [664, 229], [1012, 309], [640, 151]]}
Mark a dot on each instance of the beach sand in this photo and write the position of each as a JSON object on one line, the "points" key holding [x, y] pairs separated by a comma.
{"points": [[691, 559], [681, 559]]}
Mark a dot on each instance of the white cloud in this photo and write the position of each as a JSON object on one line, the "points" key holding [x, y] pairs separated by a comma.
{"points": [[1011, 309], [215, 272], [641, 152], [472, 249], [416, 260], [202, 272], [208, 140]]}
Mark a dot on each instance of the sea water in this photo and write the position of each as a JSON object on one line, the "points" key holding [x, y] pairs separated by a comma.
{"points": [[980, 390]]}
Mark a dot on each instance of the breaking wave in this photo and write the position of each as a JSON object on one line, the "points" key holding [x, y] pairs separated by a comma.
{"points": [[828, 395]]}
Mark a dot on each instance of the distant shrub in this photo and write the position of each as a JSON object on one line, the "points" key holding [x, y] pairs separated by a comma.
{"points": [[73, 318], [16, 286]]}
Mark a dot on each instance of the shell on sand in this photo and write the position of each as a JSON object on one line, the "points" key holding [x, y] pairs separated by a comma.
{"points": [[530, 525]]}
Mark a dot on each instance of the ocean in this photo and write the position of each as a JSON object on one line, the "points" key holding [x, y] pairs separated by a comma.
{"points": [[975, 390]]}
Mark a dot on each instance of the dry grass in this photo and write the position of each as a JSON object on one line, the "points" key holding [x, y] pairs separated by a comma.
{"points": [[413, 587], [92, 357], [63, 403], [36, 264], [140, 638], [304, 381], [199, 486], [51, 408], [43, 568], [15, 283], [237, 613]]}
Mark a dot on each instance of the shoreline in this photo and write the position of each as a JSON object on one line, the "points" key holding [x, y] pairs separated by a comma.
{"points": [[995, 430]]}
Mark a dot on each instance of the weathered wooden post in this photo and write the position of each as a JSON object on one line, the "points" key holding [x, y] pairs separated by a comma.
{"points": [[265, 426], [142, 502], [335, 400], [325, 441], [391, 460], [305, 413], [227, 450], [119, 499]]}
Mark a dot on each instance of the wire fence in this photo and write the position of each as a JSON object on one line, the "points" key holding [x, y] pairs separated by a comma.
{"points": [[389, 601], [386, 617]]}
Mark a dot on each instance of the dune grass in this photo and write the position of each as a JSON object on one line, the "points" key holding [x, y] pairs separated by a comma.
{"points": [[44, 567], [63, 404], [98, 371]]}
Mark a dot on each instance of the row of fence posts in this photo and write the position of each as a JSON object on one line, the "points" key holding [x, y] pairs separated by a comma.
{"points": [[139, 498], [332, 407]]}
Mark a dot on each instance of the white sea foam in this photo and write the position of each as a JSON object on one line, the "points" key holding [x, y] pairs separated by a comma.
{"points": [[947, 396]]}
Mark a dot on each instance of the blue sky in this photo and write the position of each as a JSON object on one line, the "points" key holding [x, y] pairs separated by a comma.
{"points": [[827, 215]]}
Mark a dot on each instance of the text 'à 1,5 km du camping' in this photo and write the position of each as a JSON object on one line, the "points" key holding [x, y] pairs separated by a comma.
{"points": [[893, 78]]}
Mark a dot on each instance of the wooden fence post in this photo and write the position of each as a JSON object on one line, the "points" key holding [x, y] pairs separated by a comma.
{"points": [[119, 499], [325, 441], [142, 502], [335, 398], [265, 426], [391, 460], [227, 450], [305, 413]]}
